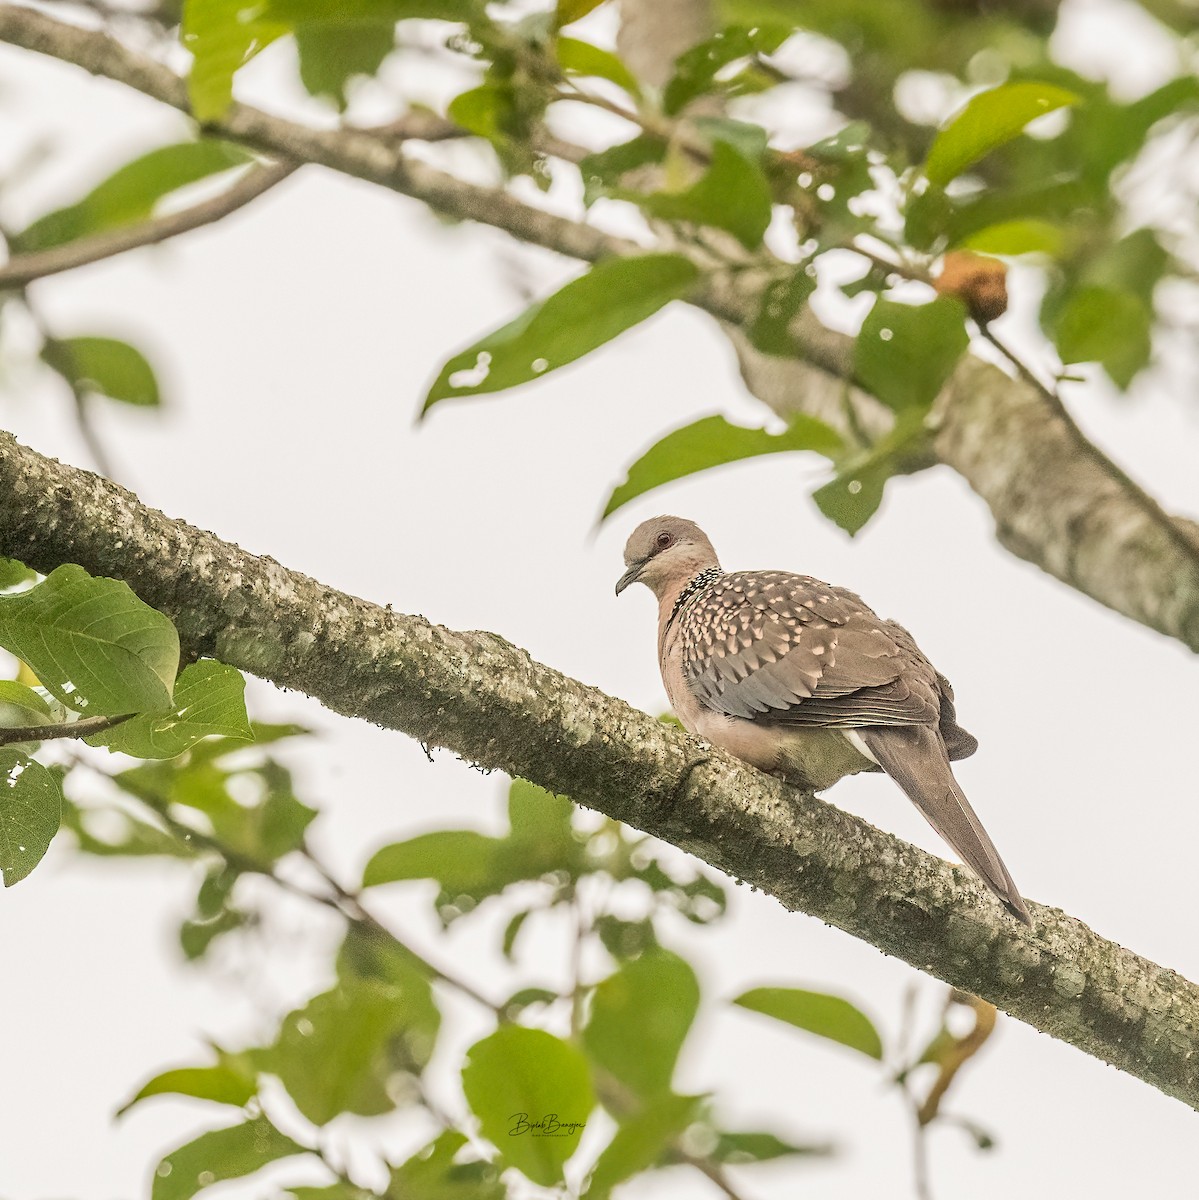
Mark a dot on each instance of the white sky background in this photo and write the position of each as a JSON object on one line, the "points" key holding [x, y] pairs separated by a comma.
{"points": [[295, 342]]}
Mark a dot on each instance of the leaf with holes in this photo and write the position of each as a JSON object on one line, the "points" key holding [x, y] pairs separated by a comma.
{"points": [[713, 442], [613, 296], [209, 701], [532, 1094], [989, 120], [816, 1012], [30, 812], [106, 367], [93, 644]]}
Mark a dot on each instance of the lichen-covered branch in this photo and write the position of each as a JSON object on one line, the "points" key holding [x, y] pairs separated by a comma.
{"points": [[1057, 501], [494, 705]]}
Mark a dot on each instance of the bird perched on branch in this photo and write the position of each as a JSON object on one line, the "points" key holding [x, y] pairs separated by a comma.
{"points": [[804, 680]]}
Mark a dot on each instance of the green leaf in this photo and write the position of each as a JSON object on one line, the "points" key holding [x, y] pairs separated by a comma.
{"points": [[532, 1094], [1026, 236], [230, 1081], [106, 367], [1098, 324], [301, 12], [540, 817], [603, 170], [434, 1173], [331, 54], [582, 58], [30, 813], [989, 120], [827, 1016], [461, 860], [641, 1142], [569, 11], [222, 1154], [640, 1016], [93, 644], [905, 352], [750, 1147], [13, 573], [712, 442], [781, 303], [222, 35], [132, 193], [613, 296], [733, 194], [339, 1053], [21, 705], [339, 1190], [209, 701], [625, 939], [696, 68], [852, 497], [123, 834]]}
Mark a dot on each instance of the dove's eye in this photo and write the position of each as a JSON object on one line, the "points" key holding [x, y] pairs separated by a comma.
{"points": [[663, 540]]}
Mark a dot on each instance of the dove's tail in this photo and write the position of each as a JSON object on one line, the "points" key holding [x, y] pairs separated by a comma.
{"points": [[914, 756]]}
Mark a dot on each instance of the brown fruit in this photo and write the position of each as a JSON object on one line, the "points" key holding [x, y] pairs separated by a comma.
{"points": [[978, 281]]}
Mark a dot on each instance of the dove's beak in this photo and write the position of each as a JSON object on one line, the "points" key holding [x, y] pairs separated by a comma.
{"points": [[630, 576]]}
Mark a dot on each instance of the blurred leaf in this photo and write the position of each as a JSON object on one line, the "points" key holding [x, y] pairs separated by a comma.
{"points": [[614, 295], [641, 1142], [989, 120], [525, 1086], [132, 192], [525, 998], [209, 701], [569, 11], [222, 1154], [339, 1052], [747, 1147], [338, 1190], [93, 644], [696, 69], [461, 860], [603, 170], [781, 303], [13, 573], [1097, 324], [302, 12], [625, 939], [106, 367], [536, 816], [733, 195], [433, 1174], [232, 1080], [1027, 236], [331, 54], [827, 1016], [30, 813], [512, 932], [582, 58], [196, 937], [21, 705], [852, 497], [905, 352], [712, 442], [123, 834], [639, 1019], [222, 35]]}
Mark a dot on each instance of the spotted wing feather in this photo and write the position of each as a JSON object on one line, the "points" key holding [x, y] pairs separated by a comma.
{"points": [[781, 648]]}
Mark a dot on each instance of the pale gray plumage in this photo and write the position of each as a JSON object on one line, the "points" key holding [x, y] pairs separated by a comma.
{"points": [[805, 680]]}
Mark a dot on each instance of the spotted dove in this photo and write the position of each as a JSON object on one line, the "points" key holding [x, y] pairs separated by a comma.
{"points": [[804, 680]]}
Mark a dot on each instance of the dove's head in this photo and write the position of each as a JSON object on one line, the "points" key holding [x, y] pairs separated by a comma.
{"points": [[664, 553]]}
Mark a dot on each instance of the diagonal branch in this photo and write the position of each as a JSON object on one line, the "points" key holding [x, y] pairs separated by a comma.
{"points": [[494, 705], [23, 269], [1068, 511]]}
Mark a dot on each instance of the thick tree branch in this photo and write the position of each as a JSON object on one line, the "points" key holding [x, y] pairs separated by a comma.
{"points": [[491, 703], [1061, 509]]}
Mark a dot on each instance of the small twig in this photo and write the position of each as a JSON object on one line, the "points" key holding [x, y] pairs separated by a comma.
{"points": [[12, 734], [23, 269]]}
